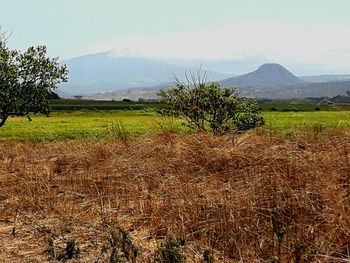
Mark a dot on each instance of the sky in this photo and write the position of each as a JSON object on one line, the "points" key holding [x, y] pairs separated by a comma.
{"points": [[293, 32]]}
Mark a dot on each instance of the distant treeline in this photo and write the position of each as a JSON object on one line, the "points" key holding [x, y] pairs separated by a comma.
{"points": [[79, 104], [336, 103], [308, 104]]}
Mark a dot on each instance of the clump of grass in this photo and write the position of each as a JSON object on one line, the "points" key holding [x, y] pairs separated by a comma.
{"points": [[170, 251], [166, 124], [122, 247], [208, 256], [70, 251], [117, 130]]}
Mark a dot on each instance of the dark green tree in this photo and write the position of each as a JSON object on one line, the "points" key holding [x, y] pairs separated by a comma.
{"points": [[26, 80], [209, 107]]}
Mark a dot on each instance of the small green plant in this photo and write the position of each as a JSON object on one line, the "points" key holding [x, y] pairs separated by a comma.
{"points": [[298, 251], [279, 230], [208, 256], [122, 247], [119, 131], [70, 251], [169, 251], [166, 124], [50, 250]]}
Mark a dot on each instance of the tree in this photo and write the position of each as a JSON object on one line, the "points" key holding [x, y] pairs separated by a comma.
{"points": [[26, 80], [53, 96], [209, 107]]}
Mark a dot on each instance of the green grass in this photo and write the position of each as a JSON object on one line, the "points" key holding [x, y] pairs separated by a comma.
{"points": [[328, 119], [76, 125], [98, 124]]}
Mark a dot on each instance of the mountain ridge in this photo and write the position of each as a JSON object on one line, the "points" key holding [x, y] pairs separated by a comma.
{"points": [[103, 76], [104, 72], [268, 74]]}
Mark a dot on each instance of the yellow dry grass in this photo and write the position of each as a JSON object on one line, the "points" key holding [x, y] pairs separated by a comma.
{"points": [[249, 198]]}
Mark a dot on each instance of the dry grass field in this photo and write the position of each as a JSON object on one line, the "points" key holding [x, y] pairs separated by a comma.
{"points": [[238, 198]]}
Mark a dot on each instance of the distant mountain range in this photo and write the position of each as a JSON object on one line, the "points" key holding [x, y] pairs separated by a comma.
{"points": [[103, 76], [104, 72], [325, 78], [275, 81]]}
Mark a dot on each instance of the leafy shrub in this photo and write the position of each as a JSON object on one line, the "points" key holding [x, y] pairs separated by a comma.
{"points": [[210, 107]]}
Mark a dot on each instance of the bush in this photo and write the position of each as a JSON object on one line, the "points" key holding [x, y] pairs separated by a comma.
{"points": [[209, 107]]}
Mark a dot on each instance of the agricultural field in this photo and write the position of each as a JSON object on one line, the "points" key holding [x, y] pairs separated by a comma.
{"points": [[78, 125], [98, 124]]}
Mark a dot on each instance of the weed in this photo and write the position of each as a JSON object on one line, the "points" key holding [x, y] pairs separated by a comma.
{"points": [[70, 251], [117, 130], [166, 124], [50, 250], [208, 256], [169, 251], [122, 247], [280, 231], [298, 251]]}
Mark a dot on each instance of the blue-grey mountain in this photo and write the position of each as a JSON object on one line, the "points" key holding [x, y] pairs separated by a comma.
{"points": [[104, 72], [275, 81], [270, 74]]}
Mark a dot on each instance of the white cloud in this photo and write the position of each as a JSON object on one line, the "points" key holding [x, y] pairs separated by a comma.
{"points": [[324, 45]]}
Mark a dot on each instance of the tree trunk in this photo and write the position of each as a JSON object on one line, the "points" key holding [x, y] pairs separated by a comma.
{"points": [[3, 120]]}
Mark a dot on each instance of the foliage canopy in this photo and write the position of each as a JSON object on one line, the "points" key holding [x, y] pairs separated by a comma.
{"points": [[209, 107], [26, 80]]}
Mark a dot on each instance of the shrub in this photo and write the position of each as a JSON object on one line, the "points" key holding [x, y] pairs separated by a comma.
{"points": [[209, 107]]}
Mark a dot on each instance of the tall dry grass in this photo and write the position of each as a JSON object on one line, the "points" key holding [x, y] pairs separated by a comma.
{"points": [[248, 198]]}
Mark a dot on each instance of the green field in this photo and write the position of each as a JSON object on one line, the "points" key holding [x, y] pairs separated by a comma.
{"points": [[100, 124], [330, 119], [76, 125]]}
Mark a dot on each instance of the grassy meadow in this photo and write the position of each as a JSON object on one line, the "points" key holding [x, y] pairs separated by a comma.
{"points": [[98, 124], [77, 125], [123, 185]]}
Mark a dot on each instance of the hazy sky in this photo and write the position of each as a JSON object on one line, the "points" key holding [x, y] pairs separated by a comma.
{"points": [[285, 31]]}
